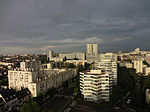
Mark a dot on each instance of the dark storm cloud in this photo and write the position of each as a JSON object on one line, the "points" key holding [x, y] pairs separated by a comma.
{"points": [[38, 25]]}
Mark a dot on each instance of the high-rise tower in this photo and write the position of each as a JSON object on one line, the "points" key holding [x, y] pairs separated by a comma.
{"points": [[91, 48]]}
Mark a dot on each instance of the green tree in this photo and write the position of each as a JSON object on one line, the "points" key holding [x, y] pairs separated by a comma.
{"points": [[80, 68], [71, 65], [31, 106], [70, 83], [76, 91], [145, 81], [88, 66]]}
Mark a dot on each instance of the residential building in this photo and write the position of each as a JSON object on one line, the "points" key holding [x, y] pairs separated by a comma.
{"points": [[137, 50], [18, 79], [10, 99], [95, 85], [76, 62], [35, 65], [23, 96], [146, 71], [108, 64], [92, 49], [72, 56], [90, 58], [126, 64], [53, 78], [50, 55], [138, 65]]}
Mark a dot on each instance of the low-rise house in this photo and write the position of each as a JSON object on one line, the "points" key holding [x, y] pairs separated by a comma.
{"points": [[10, 99], [23, 96]]}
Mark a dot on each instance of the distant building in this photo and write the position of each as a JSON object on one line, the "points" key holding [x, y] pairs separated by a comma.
{"points": [[108, 64], [95, 85], [35, 65], [92, 49], [148, 96], [138, 65], [50, 55], [76, 62], [137, 50], [146, 71], [48, 65], [90, 58], [126, 64], [72, 56]]}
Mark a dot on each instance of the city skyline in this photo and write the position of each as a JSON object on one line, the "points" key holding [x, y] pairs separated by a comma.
{"points": [[35, 26]]}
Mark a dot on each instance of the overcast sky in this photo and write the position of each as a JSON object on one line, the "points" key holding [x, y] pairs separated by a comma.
{"points": [[35, 26]]}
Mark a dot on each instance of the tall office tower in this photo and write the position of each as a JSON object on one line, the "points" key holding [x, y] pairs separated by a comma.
{"points": [[50, 55], [95, 85], [91, 49]]}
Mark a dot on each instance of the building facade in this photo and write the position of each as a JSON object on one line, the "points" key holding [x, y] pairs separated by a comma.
{"points": [[95, 85], [92, 49], [53, 78], [40, 81], [108, 64], [18, 79], [138, 65]]}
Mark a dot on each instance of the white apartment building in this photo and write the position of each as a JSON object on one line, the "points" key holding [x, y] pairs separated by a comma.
{"points": [[138, 65], [48, 65], [146, 71], [50, 55], [78, 55], [126, 64], [76, 62], [90, 58], [36, 65], [91, 49], [137, 50], [54, 78], [95, 85], [40, 81], [18, 78], [57, 59]]}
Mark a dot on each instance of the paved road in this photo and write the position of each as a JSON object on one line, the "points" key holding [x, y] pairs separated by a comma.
{"points": [[57, 103]]}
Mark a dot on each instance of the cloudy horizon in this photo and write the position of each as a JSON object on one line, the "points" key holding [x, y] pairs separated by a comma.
{"points": [[35, 26]]}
